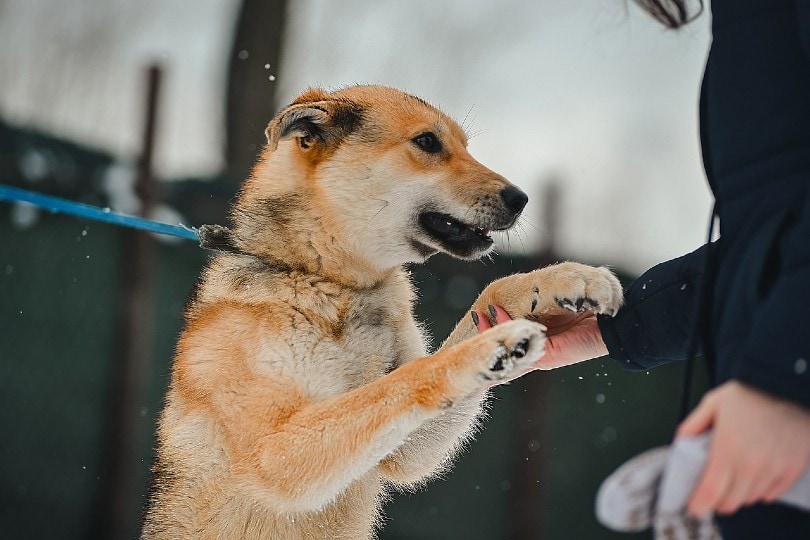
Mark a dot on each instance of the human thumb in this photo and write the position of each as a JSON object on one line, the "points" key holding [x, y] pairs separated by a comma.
{"points": [[700, 420]]}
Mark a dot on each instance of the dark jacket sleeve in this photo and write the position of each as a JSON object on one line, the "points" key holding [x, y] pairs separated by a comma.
{"points": [[655, 324]]}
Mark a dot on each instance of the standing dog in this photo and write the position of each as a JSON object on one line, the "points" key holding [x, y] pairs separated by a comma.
{"points": [[301, 388]]}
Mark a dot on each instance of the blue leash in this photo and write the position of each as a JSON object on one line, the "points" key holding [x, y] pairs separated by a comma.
{"points": [[64, 206]]}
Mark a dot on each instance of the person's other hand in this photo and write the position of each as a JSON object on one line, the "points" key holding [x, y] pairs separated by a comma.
{"points": [[760, 447], [570, 338]]}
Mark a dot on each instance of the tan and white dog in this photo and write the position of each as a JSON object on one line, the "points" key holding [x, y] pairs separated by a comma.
{"points": [[301, 389]]}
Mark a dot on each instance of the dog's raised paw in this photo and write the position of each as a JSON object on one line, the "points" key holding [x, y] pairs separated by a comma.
{"points": [[517, 345], [577, 288], [498, 358]]}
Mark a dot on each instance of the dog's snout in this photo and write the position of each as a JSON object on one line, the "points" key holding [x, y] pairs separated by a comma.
{"points": [[514, 199]]}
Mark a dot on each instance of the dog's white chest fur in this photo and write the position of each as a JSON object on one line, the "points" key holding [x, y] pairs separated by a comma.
{"points": [[334, 339]]}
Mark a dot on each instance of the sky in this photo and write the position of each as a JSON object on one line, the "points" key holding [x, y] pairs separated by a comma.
{"points": [[590, 95]]}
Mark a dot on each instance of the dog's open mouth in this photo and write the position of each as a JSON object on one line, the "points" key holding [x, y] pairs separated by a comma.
{"points": [[455, 236]]}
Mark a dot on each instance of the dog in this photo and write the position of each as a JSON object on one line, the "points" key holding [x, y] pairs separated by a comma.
{"points": [[301, 391]]}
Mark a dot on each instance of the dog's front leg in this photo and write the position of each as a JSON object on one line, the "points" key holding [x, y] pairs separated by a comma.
{"points": [[541, 295], [429, 449], [310, 455]]}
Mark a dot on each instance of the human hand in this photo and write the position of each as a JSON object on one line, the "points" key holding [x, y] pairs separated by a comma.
{"points": [[571, 338], [760, 447]]}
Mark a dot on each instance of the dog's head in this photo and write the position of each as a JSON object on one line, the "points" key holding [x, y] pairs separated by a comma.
{"points": [[388, 175]]}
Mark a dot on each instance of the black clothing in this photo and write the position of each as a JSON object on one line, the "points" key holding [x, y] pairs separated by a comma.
{"points": [[755, 127], [755, 137]]}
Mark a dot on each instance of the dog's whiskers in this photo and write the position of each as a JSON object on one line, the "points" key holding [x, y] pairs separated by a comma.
{"points": [[464, 126], [518, 230], [385, 204], [508, 241], [524, 220]]}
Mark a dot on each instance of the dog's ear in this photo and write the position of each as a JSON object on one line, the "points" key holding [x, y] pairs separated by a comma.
{"points": [[314, 119]]}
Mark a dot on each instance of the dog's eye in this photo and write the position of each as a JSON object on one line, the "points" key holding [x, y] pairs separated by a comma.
{"points": [[428, 142]]}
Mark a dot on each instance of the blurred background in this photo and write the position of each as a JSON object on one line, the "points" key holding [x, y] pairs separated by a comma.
{"points": [[158, 108]]}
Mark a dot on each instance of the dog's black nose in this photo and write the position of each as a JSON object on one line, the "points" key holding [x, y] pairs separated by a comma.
{"points": [[514, 199]]}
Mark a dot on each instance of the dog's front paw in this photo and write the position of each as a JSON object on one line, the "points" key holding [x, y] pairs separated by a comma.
{"points": [[577, 287], [555, 290], [511, 348]]}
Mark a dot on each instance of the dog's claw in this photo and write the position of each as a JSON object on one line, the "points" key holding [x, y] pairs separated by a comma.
{"points": [[565, 303], [579, 305]]}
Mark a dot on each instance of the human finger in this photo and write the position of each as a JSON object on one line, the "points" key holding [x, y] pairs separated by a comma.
{"points": [[743, 486], [699, 420], [712, 487], [782, 484]]}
